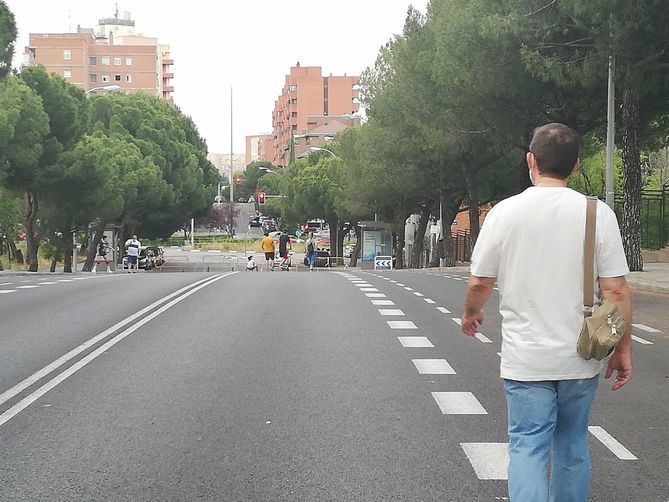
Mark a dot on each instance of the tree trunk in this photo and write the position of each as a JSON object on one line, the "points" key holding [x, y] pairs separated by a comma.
{"points": [[631, 220], [14, 253], [449, 210], [68, 254], [358, 246], [472, 197], [32, 240], [92, 250], [54, 262], [417, 251], [400, 225]]}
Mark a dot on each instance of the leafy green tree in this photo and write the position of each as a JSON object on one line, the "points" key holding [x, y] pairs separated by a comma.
{"points": [[10, 218], [7, 39]]}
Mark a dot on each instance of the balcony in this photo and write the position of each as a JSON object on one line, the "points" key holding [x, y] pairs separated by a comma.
{"points": [[168, 62], [168, 75], [168, 88]]}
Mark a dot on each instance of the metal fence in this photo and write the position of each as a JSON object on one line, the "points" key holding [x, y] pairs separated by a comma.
{"points": [[654, 217], [461, 245]]}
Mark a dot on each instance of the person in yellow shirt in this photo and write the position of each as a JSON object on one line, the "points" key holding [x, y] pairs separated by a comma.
{"points": [[267, 245]]}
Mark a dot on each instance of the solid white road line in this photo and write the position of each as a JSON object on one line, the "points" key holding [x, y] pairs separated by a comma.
{"points": [[402, 325], [47, 282], [443, 310], [433, 367], [489, 460], [31, 398], [415, 341], [482, 338], [641, 340], [24, 384], [7, 291], [383, 302], [458, 403], [611, 443], [26, 287], [418, 294], [646, 328], [6, 284], [390, 312], [26, 281], [65, 280], [430, 300], [375, 295], [369, 290]]}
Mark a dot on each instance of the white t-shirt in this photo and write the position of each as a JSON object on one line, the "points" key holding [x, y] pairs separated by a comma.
{"points": [[533, 244], [133, 246]]}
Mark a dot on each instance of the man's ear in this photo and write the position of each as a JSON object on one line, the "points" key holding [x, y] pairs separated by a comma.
{"points": [[531, 160], [576, 167]]}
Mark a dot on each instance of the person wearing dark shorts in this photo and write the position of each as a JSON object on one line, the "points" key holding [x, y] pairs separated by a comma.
{"points": [[284, 247], [267, 245]]}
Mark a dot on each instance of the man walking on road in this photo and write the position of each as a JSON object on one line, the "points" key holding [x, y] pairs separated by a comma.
{"points": [[133, 247], [532, 245], [101, 255], [267, 245], [284, 246]]}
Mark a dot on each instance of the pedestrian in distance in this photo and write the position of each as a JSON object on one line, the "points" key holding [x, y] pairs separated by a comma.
{"points": [[251, 265], [532, 245], [310, 247], [101, 255], [133, 248], [284, 248], [267, 245]]}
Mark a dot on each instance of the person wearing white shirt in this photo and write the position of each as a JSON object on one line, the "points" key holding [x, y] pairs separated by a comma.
{"points": [[531, 244], [133, 248]]}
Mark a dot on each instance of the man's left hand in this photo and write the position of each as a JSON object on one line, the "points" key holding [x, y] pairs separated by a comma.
{"points": [[470, 324]]}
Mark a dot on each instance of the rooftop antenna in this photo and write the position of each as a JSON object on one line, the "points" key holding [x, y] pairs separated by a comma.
{"points": [[116, 14]]}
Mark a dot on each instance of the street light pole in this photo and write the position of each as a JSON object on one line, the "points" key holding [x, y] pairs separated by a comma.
{"points": [[319, 149], [231, 149], [109, 88]]}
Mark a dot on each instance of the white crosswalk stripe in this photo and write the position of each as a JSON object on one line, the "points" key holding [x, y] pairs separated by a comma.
{"points": [[443, 310], [489, 460], [402, 324], [389, 312], [611, 443], [648, 329], [415, 341], [383, 302], [430, 300], [642, 341], [433, 367], [458, 403]]}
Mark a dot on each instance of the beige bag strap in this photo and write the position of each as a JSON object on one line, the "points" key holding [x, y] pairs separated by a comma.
{"points": [[589, 254]]}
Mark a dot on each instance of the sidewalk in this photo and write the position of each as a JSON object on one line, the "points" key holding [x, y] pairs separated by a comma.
{"points": [[655, 276]]}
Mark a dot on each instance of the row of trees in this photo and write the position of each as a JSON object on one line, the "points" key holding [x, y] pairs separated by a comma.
{"points": [[452, 103], [74, 165]]}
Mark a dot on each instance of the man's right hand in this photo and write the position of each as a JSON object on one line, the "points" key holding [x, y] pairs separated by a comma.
{"points": [[470, 324], [621, 363]]}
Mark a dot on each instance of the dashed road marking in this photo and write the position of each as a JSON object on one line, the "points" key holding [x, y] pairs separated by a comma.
{"points": [[402, 324], [383, 302], [482, 338], [499, 354], [415, 341], [458, 403], [408, 288], [390, 312], [26, 287], [489, 460], [6, 284], [65, 280], [375, 295], [7, 291], [646, 328], [641, 340], [48, 282], [394, 282], [418, 294], [611, 443], [433, 367], [430, 300], [457, 320], [28, 280], [369, 290], [443, 310], [364, 285]]}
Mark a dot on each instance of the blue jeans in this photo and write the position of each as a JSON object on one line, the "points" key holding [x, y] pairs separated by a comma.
{"points": [[549, 419], [312, 258]]}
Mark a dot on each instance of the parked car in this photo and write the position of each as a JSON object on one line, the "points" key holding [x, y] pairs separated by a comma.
{"points": [[322, 259], [145, 262], [254, 221], [156, 254]]}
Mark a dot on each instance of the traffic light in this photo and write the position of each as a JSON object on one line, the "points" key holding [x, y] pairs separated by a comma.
{"points": [[261, 197], [238, 181]]}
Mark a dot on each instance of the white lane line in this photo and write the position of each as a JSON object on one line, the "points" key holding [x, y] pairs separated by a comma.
{"points": [[369, 290], [65, 280], [489, 460], [496, 289], [400, 284], [47, 282], [391, 312], [458, 403], [394, 282], [34, 396], [457, 320], [408, 288], [7, 291], [375, 295], [383, 302], [499, 354], [26, 287], [641, 340], [6, 284], [81, 278], [29, 280], [364, 285], [415, 341], [443, 310], [402, 325], [611, 443], [646, 328], [430, 301], [24, 384], [482, 338], [433, 367], [418, 294]]}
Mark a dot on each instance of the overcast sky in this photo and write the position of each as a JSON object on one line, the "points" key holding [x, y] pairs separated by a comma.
{"points": [[247, 44]]}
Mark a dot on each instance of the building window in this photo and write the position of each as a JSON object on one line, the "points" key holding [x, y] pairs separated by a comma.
{"points": [[105, 78], [128, 79], [293, 101], [67, 72], [92, 60], [67, 54], [294, 127], [128, 61], [117, 78], [293, 114], [93, 77], [105, 60], [293, 87], [117, 61]]}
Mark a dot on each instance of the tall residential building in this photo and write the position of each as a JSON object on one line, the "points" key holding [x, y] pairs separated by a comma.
{"points": [[258, 148], [320, 130], [112, 54], [307, 93]]}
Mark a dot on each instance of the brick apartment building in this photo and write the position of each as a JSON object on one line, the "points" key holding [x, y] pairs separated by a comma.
{"points": [[307, 94], [111, 55], [259, 148]]}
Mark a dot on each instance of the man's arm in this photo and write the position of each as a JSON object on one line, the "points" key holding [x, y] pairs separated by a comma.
{"points": [[478, 292], [615, 290]]}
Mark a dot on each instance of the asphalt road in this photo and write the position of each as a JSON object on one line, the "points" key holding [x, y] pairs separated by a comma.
{"points": [[283, 387]]}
